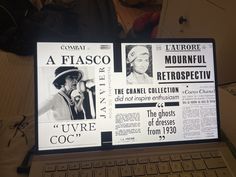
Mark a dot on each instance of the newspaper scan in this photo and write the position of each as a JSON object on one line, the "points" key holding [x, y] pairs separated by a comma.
{"points": [[164, 92], [73, 114], [174, 100]]}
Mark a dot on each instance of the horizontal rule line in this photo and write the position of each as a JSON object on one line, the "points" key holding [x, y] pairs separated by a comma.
{"points": [[171, 103], [201, 66], [189, 82], [135, 105], [183, 50]]}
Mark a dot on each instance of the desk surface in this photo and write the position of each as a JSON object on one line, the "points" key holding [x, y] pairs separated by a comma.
{"points": [[227, 104], [17, 99], [16, 140]]}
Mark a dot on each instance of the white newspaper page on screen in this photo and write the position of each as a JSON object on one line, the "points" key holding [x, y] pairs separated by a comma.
{"points": [[73, 89], [165, 92]]}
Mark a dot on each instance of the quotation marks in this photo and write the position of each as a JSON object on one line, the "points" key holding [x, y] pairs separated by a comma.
{"points": [[162, 137], [77, 135], [160, 105], [55, 126]]}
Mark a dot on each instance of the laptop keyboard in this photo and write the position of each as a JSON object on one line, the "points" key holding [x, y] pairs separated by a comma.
{"points": [[197, 164]]}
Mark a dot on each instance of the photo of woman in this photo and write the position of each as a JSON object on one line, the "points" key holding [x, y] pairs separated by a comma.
{"points": [[70, 102], [139, 67]]}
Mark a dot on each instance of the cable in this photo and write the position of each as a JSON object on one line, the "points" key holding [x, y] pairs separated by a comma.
{"points": [[24, 167]]}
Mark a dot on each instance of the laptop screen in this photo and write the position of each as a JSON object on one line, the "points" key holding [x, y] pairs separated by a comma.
{"points": [[95, 94]]}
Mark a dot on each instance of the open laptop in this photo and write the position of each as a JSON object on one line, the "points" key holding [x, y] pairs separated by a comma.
{"points": [[128, 109]]}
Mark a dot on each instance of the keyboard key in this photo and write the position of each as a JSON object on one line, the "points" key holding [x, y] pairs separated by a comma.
{"points": [[110, 163], [210, 173], [196, 156], [62, 167], [99, 172], [164, 158], [175, 157], [132, 161], [139, 170], [50, 168], [85, 165], [86, 173], [143, 160], [121, 162], [151, 169], [74, 166], [176, 166], [198, 174], [164, 167], [186, 175], [73, 173], [98, 164], [125, 171], [215, 163], [48, 175], [199, 164], [223, 172], [206, 155], [187, 165], [173, 175], [112, 172], [215, 154], [59, 174], [154, 159], [185, 156]]}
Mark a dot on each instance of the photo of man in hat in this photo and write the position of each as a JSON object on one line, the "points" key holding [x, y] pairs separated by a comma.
{"points": [[62, 104], [139, 68]]}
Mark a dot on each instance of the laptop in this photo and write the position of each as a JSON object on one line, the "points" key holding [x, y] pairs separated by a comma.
{"points": [[128, 108]]}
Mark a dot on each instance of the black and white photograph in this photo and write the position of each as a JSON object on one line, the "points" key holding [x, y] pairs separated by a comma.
{"points": [[139, 64], [68, 92]]}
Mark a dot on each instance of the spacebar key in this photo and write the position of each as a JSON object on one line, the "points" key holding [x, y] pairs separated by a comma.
{"points": [[215, 163]]}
